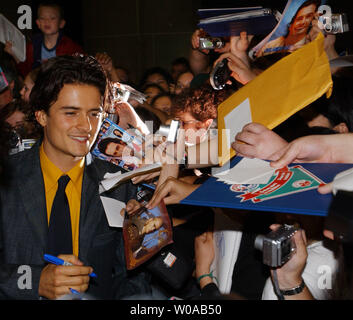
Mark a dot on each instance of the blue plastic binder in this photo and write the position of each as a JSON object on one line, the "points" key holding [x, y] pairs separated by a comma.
{"points": [[207, 13], [234, 23], [297, 193]]}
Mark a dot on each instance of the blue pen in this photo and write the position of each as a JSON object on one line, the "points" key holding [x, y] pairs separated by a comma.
{"points": [[60, 262], [150, 186]]}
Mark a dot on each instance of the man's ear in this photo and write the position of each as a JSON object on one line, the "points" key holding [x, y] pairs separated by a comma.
{"points": [[341, 128], [38, 23], [12, 85], [62, 23], [41, 117]]}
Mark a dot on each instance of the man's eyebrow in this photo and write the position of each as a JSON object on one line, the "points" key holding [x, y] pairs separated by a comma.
{"points": [[77, 108]]}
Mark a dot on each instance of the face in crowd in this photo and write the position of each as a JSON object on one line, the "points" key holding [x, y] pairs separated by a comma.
{"points": [[163, 103], [158, 79], [72, 123], [195, 130], [27, 88], [183, 82], [49, 20]]}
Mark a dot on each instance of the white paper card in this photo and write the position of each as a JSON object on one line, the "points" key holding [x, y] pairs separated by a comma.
{"points": [[8, 32], [247, 171], [227, 238], [112, 208], [111, 179], [235, 120]]}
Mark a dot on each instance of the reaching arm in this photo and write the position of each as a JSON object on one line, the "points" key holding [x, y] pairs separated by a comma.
{"points": [[333, 148], [199, 60]]}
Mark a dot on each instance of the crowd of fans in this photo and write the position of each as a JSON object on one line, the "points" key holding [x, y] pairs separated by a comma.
{"points": [[321, 132]]}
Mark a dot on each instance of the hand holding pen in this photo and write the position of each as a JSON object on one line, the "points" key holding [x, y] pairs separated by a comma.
{"points": [[61, 278]]}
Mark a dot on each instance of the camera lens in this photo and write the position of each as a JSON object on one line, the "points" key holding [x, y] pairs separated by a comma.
{"points": [[259, 242], [220, 75]]}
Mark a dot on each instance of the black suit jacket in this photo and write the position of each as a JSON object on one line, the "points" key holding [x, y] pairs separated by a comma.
{"points": [[24, 229]]}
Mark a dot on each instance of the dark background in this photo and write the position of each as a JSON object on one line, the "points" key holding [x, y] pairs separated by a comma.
{"points": [[139, 34]]}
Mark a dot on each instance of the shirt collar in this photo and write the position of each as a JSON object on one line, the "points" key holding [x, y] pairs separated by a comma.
{"points": [[53, 173]]}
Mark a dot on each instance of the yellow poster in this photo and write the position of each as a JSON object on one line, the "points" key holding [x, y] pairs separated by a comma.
{"points": [[276, 94]]}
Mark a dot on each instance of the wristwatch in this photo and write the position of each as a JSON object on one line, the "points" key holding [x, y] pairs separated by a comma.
{"points": [[295, 290]]}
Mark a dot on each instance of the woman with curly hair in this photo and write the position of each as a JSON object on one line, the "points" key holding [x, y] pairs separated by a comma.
{"points": [[196, 109]]}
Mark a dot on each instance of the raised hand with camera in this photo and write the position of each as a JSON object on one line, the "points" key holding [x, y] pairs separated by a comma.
{"points": [[289, 275], [238, 62]]}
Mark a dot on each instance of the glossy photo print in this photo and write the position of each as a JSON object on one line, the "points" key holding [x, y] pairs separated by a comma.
{"points": [[145, 231], [291, 33]]}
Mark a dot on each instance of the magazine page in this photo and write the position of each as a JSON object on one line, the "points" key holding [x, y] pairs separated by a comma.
{"points": [[145, 232], [118, 146], [8, 32], [291, 31]]}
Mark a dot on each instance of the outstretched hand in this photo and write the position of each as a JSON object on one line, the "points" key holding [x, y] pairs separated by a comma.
{"points": [[257, 141]]}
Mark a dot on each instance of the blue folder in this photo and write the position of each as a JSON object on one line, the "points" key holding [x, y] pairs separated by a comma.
{"points": [[233, 24], [214, 193], [207, 13]]}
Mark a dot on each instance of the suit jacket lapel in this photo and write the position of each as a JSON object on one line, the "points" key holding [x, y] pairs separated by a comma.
{"points": [[90, 213], [32, 192]]}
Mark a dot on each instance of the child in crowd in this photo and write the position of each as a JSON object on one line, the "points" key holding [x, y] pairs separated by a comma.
{"points": [[51, 42]]}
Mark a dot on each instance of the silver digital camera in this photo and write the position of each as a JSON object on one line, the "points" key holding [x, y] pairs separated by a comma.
{"points": [[278, 246], [338, 24], [211, 43]]}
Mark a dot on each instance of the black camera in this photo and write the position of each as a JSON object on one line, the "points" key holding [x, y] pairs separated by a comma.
{"points": [[220, 75], [277, 246]]}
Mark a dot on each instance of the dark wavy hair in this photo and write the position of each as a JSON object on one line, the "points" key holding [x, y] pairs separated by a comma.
{"points": [[201, 102], [156, 70], [338, 108], [102, 145], [57, 72]]}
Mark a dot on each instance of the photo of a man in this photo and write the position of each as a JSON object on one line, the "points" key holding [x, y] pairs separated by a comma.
{"points": [[146, 231], [291, 32], [114, 147]]}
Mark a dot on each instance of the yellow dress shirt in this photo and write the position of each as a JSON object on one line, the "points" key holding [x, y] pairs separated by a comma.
{"points": [[51, 174]]}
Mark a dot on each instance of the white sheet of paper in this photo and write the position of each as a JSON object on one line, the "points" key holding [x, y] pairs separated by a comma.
{"points": [[235, 120], [9, 32], [111, 179], [112, 208], [247, 171], [227, 238]]}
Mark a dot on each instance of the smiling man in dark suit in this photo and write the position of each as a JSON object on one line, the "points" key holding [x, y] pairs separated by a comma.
{"points": [[66, 102]]}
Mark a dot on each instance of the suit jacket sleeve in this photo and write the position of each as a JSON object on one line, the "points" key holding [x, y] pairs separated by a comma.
{"points": [[17, 281]]}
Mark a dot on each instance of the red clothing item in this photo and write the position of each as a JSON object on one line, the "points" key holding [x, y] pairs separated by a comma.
{"points": [[65, 46]]}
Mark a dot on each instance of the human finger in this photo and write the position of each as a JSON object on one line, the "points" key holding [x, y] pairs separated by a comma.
{"points": [[274, 226], [72, 281], [284, 157], [247, 137], [325, 189], [254, 127], [132, 205], [73, 270], [160, 193], [71, 259]]}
